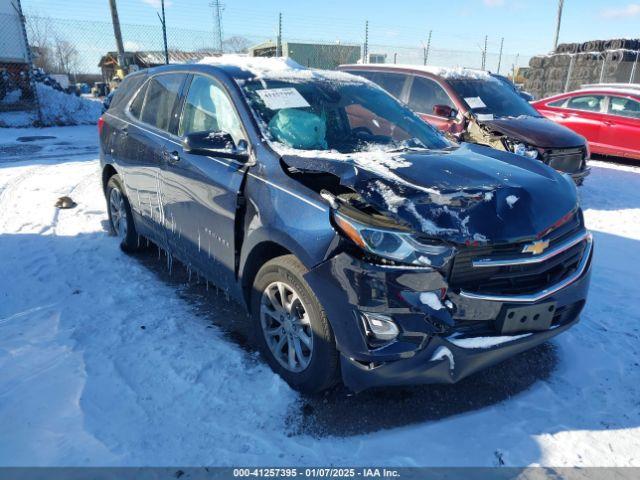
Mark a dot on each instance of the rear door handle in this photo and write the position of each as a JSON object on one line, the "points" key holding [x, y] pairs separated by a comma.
{"points": [[607, 123]]}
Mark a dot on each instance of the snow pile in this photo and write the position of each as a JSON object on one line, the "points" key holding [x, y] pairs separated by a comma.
{"points": [[57, 108]]}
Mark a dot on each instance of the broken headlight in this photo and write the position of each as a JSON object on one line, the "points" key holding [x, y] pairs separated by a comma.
{"points": [[522, 149], [395, 245]]}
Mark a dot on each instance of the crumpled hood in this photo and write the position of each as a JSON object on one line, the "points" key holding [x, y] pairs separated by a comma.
{"points": [[536, 131], [470, 194]]}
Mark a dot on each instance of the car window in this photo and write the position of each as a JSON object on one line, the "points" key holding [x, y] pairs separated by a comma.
{"points": [[557, 103], [136, 105], [325, 113], [391, 82], [162, 93], [624, 107], [425, 94], [209, 109], [589, 103]]}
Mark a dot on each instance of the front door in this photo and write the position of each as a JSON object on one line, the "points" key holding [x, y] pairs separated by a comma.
{"points": [[201, 192]]}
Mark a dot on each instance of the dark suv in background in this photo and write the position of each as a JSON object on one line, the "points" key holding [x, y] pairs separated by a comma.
{"points": [[366, 246], [479, 107]]}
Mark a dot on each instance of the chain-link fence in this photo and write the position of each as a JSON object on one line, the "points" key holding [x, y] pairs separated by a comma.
{"points": [[85, 51]]}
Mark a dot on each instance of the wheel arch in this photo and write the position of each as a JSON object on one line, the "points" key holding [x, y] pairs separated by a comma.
{"points": [[107, 172], [260, 254]]}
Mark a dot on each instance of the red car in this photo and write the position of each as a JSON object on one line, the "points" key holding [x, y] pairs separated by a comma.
{"points": [[608, 116]]}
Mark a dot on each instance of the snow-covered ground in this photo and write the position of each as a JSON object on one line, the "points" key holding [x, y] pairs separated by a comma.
{"points": [[105, 362]]}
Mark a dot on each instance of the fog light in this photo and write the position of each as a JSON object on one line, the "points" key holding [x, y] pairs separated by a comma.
{"points": [[379, 326]]}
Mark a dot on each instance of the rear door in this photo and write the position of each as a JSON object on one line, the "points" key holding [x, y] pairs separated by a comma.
{"points": [[424, 94], [201, 193], [621, 126], [145, 140]]}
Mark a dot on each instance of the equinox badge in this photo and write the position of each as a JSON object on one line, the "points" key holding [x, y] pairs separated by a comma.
{"points": [[536, 247]]}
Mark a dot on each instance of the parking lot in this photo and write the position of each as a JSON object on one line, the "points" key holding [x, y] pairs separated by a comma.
{"points": [[117, 360]]}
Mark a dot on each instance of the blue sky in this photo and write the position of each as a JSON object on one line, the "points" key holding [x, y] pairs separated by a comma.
{"points": [[527, 25]]}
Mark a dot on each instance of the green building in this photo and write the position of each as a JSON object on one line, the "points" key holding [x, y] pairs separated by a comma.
{"points": [[314, 55]]}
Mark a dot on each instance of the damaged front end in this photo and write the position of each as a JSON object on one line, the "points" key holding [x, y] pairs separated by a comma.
{"points": [[398, 282], [532, 137]]}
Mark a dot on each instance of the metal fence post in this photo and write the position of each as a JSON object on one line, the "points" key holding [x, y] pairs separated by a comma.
{"points": [[484, 53], [279, 38], [426, 53], [163, 20], [604, 63], [635, 66], [569, 72], [365, 49]]}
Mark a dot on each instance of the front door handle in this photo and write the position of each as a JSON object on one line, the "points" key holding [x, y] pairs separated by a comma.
{"points": [[172, 157]]}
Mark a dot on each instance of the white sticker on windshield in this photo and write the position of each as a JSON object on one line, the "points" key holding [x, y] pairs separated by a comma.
{"points": [[279, 98], [484, 117], [474, 102]]}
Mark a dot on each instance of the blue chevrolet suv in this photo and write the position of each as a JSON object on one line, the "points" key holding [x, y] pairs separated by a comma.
{"points": [[367, 248]]}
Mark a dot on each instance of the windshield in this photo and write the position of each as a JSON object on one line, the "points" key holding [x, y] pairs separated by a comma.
{"points": [[487, 97], [344, 116]]}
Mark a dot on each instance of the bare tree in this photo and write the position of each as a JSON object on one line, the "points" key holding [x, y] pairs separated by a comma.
{"points": [[65, 56], [236, 44]]}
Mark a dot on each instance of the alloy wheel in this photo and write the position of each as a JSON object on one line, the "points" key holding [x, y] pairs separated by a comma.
{"points": [[118, 212], [286, 326]]}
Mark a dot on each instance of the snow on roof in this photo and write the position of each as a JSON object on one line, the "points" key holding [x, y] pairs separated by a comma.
{"points": [[278, 68], [445, 72]]}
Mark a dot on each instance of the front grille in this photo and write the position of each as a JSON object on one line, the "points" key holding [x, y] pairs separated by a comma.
{"points": [[517, 279], [568, 160]]}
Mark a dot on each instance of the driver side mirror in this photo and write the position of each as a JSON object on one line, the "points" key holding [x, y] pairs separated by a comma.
{"points": [[215, 144], [445, 111]]}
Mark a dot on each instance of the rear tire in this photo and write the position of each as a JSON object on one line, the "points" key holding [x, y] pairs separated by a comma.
{"points": [[293, 335], [121, 221]]}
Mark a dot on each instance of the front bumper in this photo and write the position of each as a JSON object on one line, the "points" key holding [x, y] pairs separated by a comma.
{"points": [[578, 177], [429, 348]]}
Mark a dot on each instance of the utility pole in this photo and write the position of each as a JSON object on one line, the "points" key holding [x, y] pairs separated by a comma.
{"points": [[500, 56], [426, 51], [395, 57], [217, 7], [365, 49], [164, 34], [484, 53], [117, 33], [279, 38], [558, 21]]}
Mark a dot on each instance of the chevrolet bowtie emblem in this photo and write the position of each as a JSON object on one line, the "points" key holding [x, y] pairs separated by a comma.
{"points": [[536, 247]]}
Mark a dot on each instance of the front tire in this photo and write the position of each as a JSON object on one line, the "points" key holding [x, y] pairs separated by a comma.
{"points": [[291, 327], [120, 217]]}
